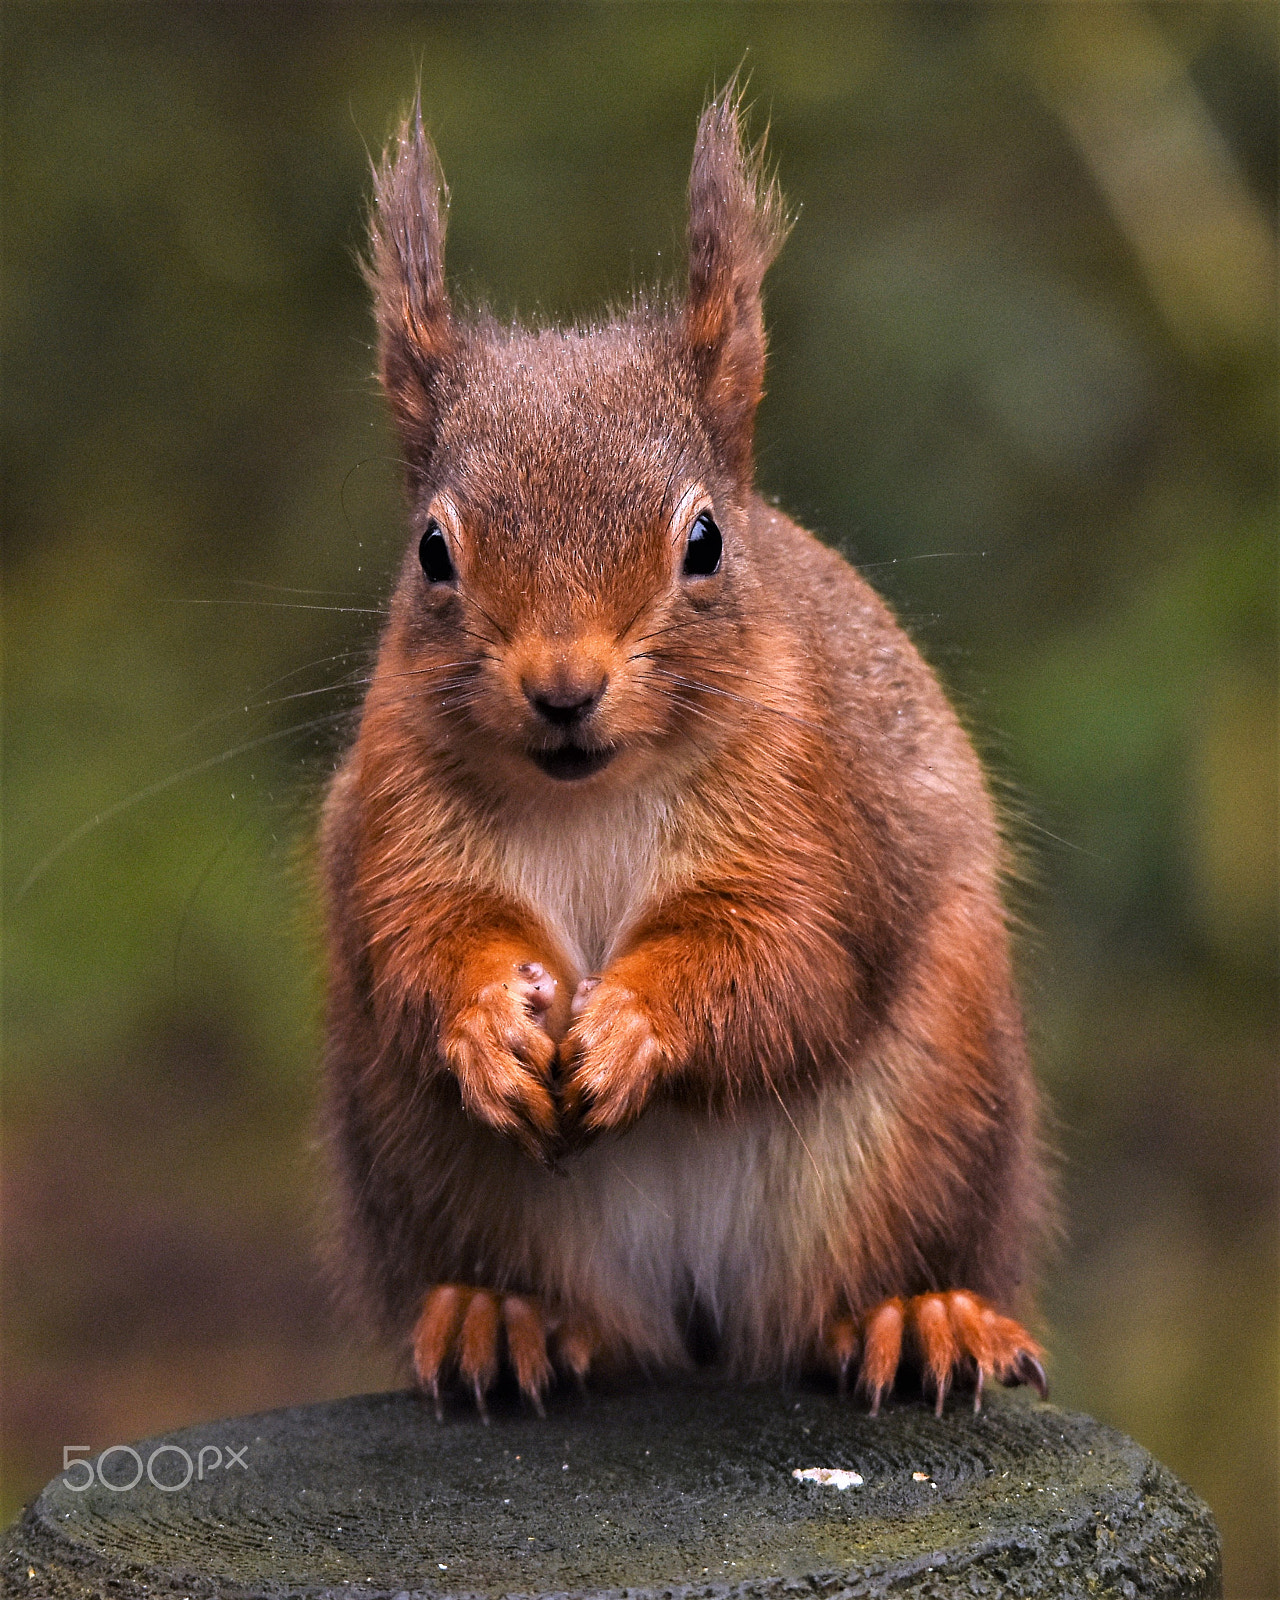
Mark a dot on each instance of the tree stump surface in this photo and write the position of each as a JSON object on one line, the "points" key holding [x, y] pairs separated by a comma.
{"points": [[684, 1492]]}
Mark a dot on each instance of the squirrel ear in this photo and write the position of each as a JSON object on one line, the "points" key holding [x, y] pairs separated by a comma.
{"points": [[405, 270], [737, 224]]}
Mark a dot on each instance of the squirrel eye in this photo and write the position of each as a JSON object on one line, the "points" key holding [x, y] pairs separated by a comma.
{"points": [[433, 553], [702, 553]]}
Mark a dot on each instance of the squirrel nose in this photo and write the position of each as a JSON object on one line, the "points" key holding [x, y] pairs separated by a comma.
{"points": [[568, 700]]}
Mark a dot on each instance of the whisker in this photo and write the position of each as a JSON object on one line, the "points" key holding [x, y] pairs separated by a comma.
{"points": [[358, 683], [757, 705], [206, 873], [671, 627], [931, 555], [822, 1182], [352, 683], [280, 605], [286, 588], [303, 694], [686, 704], [460, 682], [152, 789], [219, 716], [493, 622], [623, 632], [1030, 822], [458, 702], [714, 665], [422, 672], [627, 1178], [480, 639]]}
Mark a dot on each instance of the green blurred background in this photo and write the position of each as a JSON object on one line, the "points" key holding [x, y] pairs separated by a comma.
{"points": [[1023, 371]]}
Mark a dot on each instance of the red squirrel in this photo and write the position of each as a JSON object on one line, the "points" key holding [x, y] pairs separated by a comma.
{"points": [[669, 981]]}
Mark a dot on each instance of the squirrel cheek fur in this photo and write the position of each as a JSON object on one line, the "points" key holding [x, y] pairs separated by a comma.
{"points": [[669, 982]]}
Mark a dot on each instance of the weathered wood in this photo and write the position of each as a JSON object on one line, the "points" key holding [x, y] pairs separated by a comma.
{"points": [[682, 1491]]}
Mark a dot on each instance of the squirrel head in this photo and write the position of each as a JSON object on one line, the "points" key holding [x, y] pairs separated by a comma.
{"points": [[579, 569]]}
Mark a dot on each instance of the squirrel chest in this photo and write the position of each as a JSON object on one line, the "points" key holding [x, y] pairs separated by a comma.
{"points": [[588, 869]]}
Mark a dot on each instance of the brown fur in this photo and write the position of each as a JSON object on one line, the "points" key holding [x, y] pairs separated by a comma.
{"points": [[799, 1088]]}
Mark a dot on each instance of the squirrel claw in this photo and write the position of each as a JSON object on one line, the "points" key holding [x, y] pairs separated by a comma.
{"points": [[1027, 1369], [947, 1334], [477, 1331]]}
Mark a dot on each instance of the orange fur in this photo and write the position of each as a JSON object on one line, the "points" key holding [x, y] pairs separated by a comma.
{"points": [[669, 979], [478, 1341], [882, 1349], [527, 1343], [436, 1330], [579, 1344]]}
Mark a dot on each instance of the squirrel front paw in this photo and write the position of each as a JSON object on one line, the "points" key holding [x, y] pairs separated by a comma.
{"points": [[611, 1057], [502, 1054]]}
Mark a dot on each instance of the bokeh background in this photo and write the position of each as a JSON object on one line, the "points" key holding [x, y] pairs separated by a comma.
{"points": [[1023, 371]]}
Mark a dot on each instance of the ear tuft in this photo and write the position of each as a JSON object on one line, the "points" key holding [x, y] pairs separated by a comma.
{"points": [[405, 271], [737, 224]]}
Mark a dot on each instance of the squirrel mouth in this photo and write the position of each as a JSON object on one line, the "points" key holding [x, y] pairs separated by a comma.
{"points": [[573, 760]]}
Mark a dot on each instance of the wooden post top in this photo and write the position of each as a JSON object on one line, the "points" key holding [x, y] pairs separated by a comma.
{"points": [[688, 1491]]}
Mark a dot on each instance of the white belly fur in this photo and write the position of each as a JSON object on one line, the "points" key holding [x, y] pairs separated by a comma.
{"points": [[587, 870], [744, 1215]]}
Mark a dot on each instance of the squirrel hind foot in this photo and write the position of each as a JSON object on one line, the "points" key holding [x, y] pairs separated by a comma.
{"points": [[477, 1332], [948, 1334]]}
